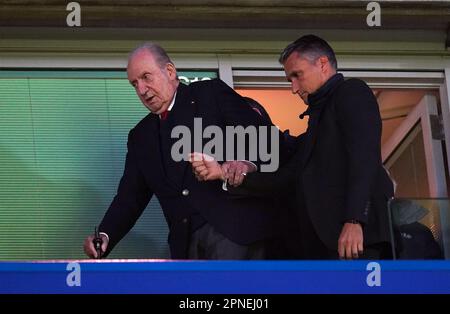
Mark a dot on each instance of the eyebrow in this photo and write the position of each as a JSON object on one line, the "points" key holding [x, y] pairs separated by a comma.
{"points": [[139, 76]]}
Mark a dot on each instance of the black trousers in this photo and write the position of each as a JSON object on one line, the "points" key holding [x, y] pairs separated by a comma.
{"points": [[207, 243]]}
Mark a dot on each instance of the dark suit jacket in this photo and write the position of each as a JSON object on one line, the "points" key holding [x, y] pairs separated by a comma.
{"points": [[150, 171], [337, 170]]}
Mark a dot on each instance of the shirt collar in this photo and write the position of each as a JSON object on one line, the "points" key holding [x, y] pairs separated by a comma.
{"points": [[171, 103], [325, 89]]}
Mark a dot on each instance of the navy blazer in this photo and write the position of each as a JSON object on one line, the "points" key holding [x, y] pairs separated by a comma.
{"points": [[242, 219]]}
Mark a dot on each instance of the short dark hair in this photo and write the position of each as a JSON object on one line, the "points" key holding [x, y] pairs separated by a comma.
{"points": [[158, 52], [312, 47]]}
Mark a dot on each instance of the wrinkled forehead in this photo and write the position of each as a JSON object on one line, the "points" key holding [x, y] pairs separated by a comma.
{"points": [[140, 61]]}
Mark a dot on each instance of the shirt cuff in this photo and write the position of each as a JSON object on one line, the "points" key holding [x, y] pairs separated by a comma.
{"points": [[224, 185], [251, 164], [106, 235]]}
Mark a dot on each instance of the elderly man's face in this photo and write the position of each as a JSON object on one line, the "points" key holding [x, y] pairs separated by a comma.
{"points": [[154, 85], [305, 76]]}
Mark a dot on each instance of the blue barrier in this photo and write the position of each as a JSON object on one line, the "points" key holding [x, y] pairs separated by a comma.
{"points": [[224, 277]]}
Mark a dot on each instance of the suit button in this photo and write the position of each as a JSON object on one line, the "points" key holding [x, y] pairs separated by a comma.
{"points": [[185, 192], [184, 220]]}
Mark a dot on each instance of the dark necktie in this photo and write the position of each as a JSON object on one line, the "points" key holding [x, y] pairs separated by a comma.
{"points": [[164, 115]]}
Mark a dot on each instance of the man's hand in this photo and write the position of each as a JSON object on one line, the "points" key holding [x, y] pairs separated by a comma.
{"points": [[235, 171], [89, 248], [350, 243], [205, 168]]}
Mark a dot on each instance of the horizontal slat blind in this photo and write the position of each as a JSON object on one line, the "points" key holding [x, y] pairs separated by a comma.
{"points": [[62, 150]]}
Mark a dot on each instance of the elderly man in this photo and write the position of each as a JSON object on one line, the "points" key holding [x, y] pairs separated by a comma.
{"points": [[342, 190], [205, 221]]}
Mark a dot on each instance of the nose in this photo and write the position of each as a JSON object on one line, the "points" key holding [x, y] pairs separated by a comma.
{"points": [[141, 88], [295, 87]]}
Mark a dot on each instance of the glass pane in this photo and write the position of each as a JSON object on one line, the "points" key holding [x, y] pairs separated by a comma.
{"points": [[282, 106], [418, 233], [407, 166]]}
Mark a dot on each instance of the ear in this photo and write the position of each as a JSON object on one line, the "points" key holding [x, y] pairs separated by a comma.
{"points": [[323, 62], [171, 71]]}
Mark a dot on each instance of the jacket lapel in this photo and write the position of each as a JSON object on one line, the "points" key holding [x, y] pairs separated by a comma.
{"points": [[321, 99], [152, 150], [182, 114]]}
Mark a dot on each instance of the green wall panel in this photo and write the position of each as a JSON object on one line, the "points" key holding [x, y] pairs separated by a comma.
{"points": [[62, 149]]}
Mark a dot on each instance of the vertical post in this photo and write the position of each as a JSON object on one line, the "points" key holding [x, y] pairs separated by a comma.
{"points": [[444, 207], [225, 69], [444, 92]]}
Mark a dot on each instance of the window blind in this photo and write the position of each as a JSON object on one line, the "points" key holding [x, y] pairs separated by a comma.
{"points": [[62, 150]]}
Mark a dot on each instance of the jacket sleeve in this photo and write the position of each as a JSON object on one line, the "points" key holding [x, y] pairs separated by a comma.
{"points": [[131, 199], [360, 123], [271, 184]]}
